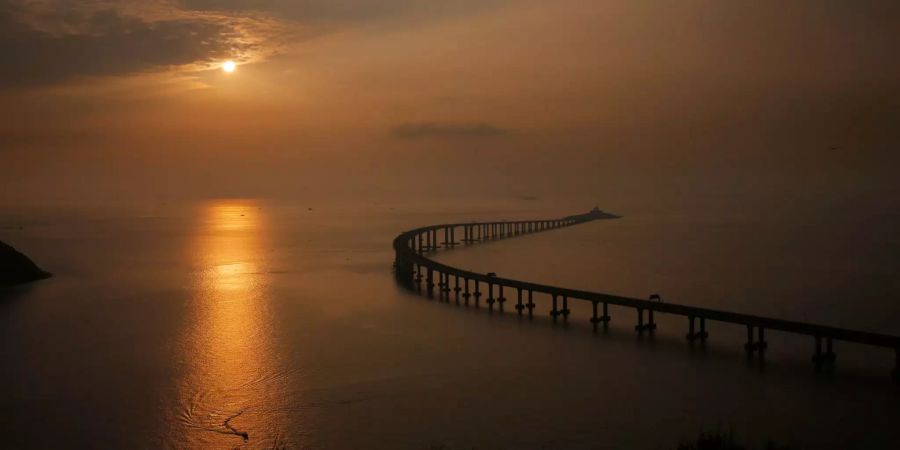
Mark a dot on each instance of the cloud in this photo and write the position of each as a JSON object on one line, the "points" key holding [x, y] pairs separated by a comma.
{"points": [[433, 130], [50, 42], [343, 11], [46, 42]]}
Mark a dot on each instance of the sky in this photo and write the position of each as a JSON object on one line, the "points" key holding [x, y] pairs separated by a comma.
{"points": [[681, 103]]}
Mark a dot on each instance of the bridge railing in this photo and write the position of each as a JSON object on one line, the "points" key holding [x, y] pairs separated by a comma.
{"points": [[412, 267]]}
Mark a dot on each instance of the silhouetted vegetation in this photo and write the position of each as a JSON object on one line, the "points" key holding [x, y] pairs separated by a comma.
{"points": [[722, 440]]}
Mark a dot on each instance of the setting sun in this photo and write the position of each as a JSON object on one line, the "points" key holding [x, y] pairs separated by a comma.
{"points": [[228, 66]]}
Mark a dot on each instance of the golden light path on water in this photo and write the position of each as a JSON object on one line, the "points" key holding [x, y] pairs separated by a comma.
{"points": [[233, 391]]}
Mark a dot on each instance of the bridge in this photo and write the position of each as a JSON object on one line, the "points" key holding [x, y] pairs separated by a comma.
{"points": [[412, 267]]}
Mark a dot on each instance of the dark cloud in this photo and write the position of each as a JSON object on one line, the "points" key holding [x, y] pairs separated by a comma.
{"points": [[306, 10], [312, 11], [432, 130], [45, 47]]}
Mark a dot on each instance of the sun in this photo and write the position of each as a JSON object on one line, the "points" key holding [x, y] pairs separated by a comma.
{"points": [[228, 66]]}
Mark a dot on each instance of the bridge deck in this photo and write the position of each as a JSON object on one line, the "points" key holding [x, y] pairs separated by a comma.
{"points": [[411, 253]]}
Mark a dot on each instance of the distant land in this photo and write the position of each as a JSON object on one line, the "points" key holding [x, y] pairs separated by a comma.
{"points": [[16, 268], [595, 213]]}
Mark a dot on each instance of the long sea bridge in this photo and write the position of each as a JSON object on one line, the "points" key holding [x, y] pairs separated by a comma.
{"points": [[413, 268]]}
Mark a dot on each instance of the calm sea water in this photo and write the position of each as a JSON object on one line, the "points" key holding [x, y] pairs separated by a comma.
{"points": [[186, 326]]}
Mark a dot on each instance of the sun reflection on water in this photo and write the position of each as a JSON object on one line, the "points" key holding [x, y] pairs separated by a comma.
{"points": [[233, 388]]}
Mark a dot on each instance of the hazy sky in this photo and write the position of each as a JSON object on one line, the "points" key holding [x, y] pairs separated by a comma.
{"points": [[618, 101]]}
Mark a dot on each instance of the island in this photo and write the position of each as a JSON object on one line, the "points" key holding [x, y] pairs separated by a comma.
{"points": [[16, 268]]}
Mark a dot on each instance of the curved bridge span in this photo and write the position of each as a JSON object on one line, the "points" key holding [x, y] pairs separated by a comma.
{"points": [[413, 267]]}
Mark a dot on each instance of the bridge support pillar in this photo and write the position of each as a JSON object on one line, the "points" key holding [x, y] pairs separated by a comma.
{"points": [[703, 333], [500, 298], [565, 307], [641, 326], [456, 288], [446, 288], [490, 298], [477, 293], [691, 335], [530, 305], [827, 357], [429, 282], [595, 319], [554, 312], [466, 293], [760, 345], [761, 339], [519, 305]]}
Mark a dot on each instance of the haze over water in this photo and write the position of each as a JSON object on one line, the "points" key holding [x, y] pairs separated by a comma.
{"points": [[215, 186], [163, 322]]}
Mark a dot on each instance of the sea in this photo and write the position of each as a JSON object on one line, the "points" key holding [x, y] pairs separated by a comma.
{"points": [[255, 323]]}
